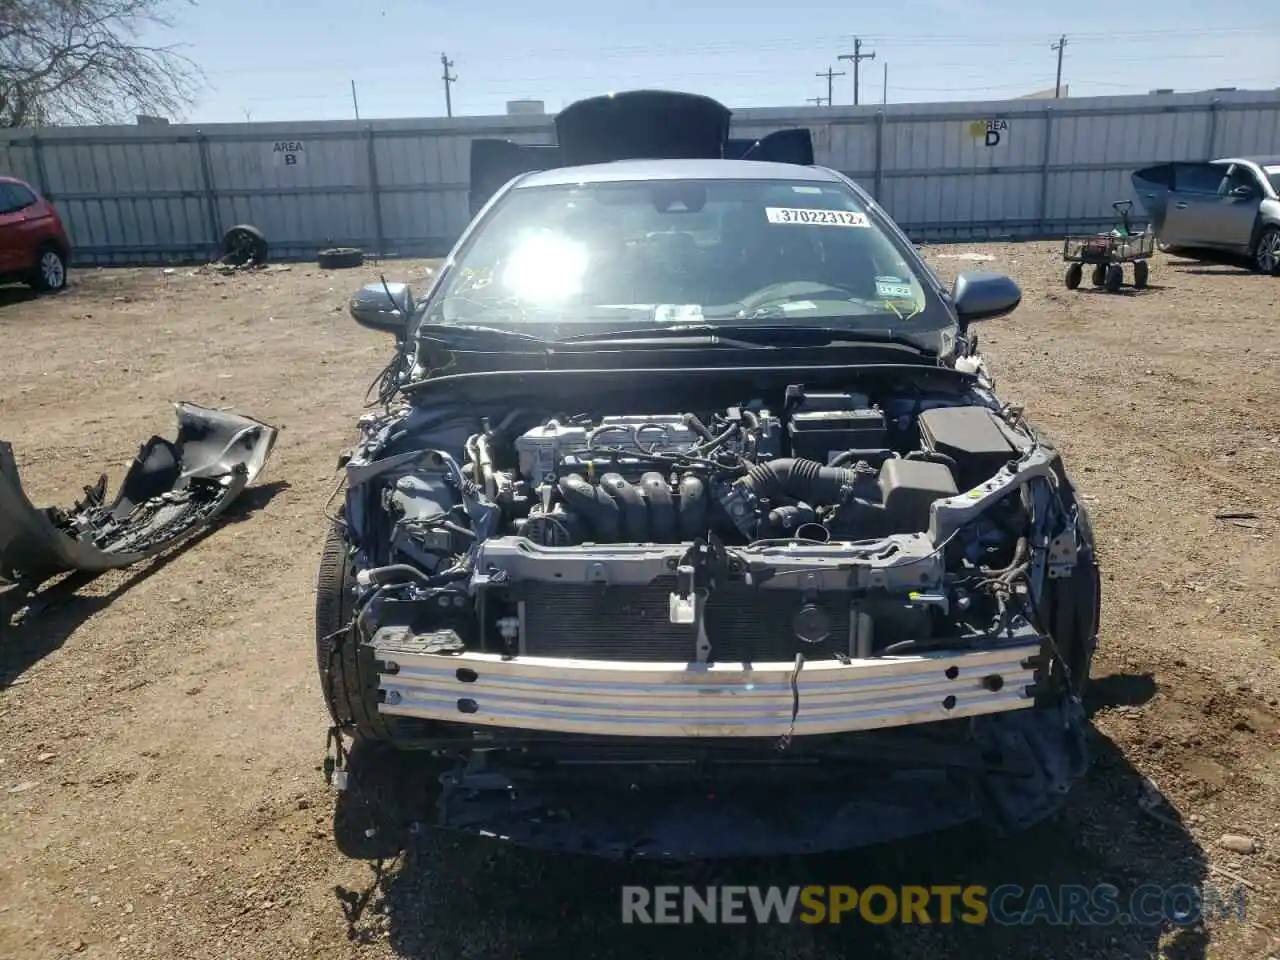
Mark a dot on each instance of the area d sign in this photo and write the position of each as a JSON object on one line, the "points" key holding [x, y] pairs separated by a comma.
{"points": [[990, 132], [288, 153]]}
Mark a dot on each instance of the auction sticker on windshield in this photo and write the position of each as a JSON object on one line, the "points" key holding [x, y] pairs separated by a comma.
{"points": [[828, 218]]}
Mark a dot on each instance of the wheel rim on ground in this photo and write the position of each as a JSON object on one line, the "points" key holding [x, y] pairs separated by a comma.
{"points": [[1269, 251], [52, 271]]}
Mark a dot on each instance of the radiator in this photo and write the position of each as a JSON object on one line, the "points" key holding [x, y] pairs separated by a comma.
{"points": [[598, 622]]}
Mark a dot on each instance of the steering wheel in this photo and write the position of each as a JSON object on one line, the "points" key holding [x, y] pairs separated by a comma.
{"points": [[791, 290]]}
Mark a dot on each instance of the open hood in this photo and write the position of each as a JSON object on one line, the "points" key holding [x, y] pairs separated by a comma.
{"points": [[635, 125]]}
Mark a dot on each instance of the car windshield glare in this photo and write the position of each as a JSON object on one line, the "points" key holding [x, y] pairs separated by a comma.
{"points": [[560, 260]]}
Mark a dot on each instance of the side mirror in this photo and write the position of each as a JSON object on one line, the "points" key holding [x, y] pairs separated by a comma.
{"points": [[983, 296], [1242, 192], [386, 307]]}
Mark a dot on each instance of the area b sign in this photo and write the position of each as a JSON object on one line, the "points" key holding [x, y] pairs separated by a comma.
{"points": [[288, 153], [990, 132]]}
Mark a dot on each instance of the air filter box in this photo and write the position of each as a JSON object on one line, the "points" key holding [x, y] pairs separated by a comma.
{"points": [[971, 437]]}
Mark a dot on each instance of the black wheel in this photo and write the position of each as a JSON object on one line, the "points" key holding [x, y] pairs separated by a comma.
{"points": [[1141, 271], [243, 246], [340, 258], [49, 275], [1099, 275], [1074, 273], [1115, 278], [348, 677], [1266, 252]]}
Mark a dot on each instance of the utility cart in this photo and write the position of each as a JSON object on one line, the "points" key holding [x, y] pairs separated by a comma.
{"points": [[1108, 252]]}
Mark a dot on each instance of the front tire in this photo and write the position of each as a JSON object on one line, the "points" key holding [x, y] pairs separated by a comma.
{"points": [[1266, 252], [1114, 278], [1072, 278], [352, 699], [49, 275]]}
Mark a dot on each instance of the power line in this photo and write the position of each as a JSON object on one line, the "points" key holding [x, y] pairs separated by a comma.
{"points": [[1060, 46], [856, 57], [448, 84], [819, 101], [830, 75]]}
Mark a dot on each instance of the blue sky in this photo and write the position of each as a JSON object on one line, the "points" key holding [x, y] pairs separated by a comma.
{"points": [[295, 59]]}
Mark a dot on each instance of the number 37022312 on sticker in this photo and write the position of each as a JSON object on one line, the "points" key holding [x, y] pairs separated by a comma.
{"points": [[828, 218]]}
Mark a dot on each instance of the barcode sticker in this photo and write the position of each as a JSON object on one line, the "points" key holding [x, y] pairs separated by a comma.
{"points": [[826, 218]]}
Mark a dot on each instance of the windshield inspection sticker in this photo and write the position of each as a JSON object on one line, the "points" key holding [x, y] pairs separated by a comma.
{"points": [[828, 218], [891, 288]]}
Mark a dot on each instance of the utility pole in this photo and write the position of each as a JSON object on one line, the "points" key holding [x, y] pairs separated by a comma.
{"points": [[1059, 46], [819, 101], [884, 89], [354, 102], [448, 83], [857, 57], [831, 76]]}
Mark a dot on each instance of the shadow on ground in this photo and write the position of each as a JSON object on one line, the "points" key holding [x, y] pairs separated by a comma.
{"points": [[57, 608], [14, 294], [437, 894]]}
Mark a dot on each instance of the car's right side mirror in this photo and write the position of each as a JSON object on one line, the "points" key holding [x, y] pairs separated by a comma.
{"points": [[383, 306], [1242, 192], [984, 296]]}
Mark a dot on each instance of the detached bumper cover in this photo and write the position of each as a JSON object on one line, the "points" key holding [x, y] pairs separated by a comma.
{"points": [[698, 700], [172, 490]]}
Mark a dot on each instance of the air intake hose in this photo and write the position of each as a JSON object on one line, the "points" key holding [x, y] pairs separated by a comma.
{"points": [[805, 480]]}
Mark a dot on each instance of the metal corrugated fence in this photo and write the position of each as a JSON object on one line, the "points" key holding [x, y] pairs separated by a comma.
{"points": [[955, 171]]}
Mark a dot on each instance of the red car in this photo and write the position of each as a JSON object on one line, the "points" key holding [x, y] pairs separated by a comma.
{"points": [[34, 248]]}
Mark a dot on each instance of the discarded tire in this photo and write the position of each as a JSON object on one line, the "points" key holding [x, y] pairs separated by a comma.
{"points": [[340, 258], [244, 245]]}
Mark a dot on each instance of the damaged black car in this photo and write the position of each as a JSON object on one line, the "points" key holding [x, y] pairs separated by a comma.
{"points": [[692, 525]]}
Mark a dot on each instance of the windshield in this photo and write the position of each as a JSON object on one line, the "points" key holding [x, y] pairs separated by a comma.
{"points": [[1273, 175], [570, 260]]}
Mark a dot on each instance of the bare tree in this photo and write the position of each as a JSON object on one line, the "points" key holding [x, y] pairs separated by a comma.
{"points": [[84, 61]]}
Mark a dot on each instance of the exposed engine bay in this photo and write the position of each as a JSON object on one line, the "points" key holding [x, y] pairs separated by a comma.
{"points": [[833, 524]]}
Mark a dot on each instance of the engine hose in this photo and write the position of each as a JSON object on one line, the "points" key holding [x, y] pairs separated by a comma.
{"points": [[932, 456], [485, 459], [691, 420], [635, 515], [716, 442], [662, 511], [597, 508], [869, 455], [805, 480], [693, 508], [390, 574]]}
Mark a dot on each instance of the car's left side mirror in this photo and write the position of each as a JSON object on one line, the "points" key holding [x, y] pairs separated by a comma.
{"points": [[383, 306], [982, 296]]}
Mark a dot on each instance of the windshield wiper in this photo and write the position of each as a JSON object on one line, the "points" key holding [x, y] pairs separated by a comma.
{"points": [[758, 336], [478, 337]]}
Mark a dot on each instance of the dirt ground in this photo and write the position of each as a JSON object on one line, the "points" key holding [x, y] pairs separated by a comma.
{"points": [[160, 785]]}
